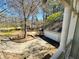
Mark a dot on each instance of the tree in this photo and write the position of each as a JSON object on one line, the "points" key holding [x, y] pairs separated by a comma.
{"points": [[25, 8], [52, 6], [53, 11]]}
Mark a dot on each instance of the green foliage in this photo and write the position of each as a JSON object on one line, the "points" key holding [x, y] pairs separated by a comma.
{"points": [[57, 16], [54, 16]]}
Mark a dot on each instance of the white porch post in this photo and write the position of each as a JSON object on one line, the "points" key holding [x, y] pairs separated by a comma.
{"points": [[72, 27], [65, 27], [64, 34]]}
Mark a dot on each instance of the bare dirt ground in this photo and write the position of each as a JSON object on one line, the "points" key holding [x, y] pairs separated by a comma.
{"points": [[32, 48], [29, 36], [17, 36]]}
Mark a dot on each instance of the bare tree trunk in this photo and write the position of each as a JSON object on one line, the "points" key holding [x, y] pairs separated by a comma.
{"points": [[25, 25], [24, 19]]}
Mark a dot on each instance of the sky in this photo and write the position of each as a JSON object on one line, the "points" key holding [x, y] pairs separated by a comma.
{"points": [[40, 14], [11, 13]]}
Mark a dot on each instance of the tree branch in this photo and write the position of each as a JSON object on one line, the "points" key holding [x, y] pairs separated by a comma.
{"points": [[2, 10]]}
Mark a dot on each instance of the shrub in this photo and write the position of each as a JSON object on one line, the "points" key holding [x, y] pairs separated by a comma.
{"points": [[54, 16]]}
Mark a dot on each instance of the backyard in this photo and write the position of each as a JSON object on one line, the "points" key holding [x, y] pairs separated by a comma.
{"points": [[22, 28]]}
